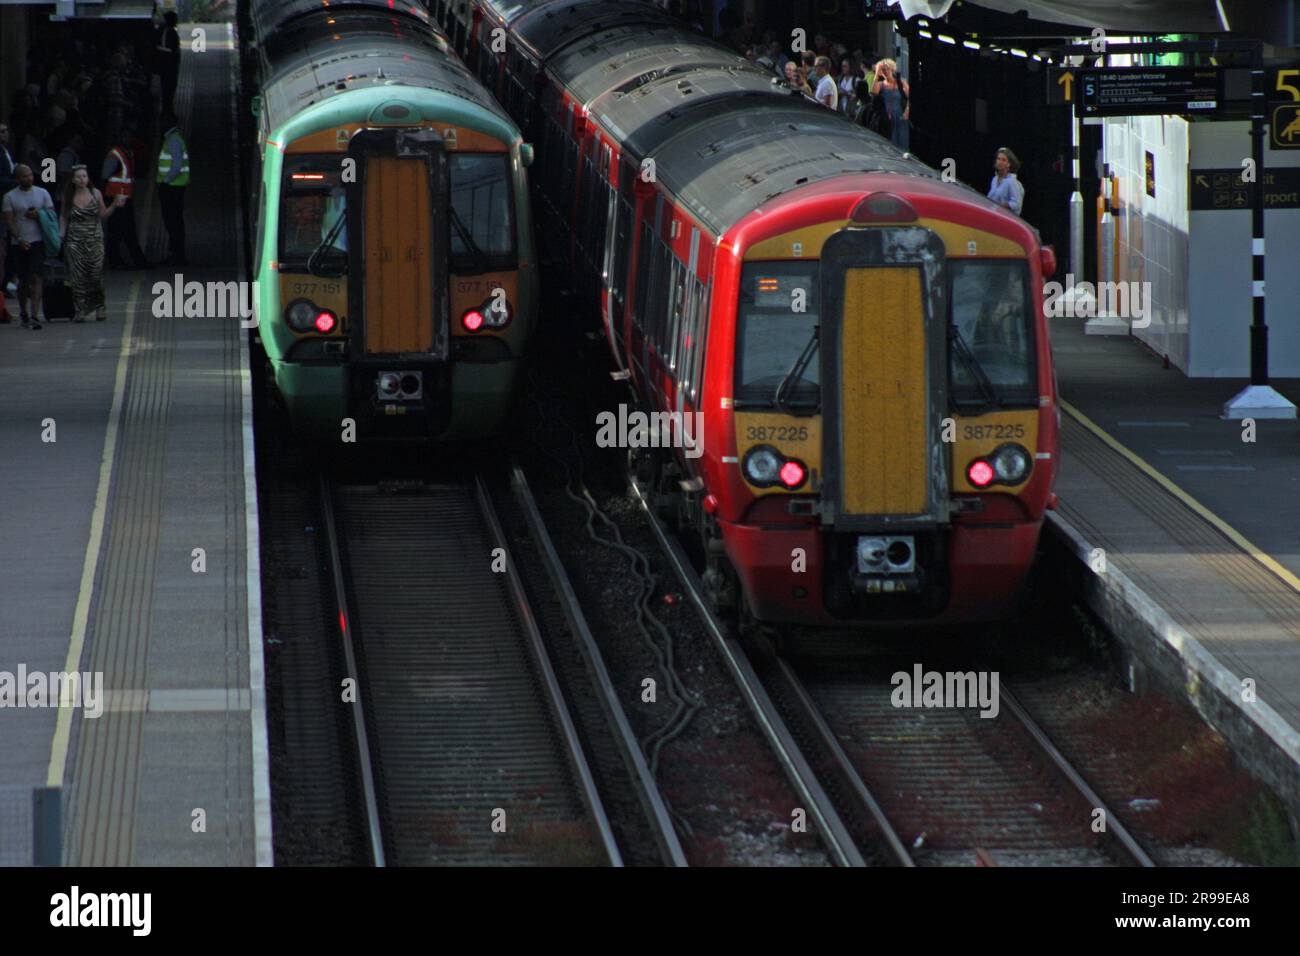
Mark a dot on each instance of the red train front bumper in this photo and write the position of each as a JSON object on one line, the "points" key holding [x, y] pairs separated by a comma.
{"points": [[986, 568]]}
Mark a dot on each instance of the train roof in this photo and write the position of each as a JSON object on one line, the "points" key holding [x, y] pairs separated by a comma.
{"points": [[723, 166], [726, 135], [548, 28], [316, 57], [507, 11], [623, 58], [270, 15]]}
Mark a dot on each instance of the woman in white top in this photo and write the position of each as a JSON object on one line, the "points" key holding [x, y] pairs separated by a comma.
{"points": [[848, 77]]}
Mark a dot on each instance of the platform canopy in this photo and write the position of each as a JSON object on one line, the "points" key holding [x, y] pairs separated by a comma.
{"points": [[1148, 16]]}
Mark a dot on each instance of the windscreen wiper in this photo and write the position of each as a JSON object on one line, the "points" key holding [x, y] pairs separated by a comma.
{"points": [[467, 238], [963, 350], [314, 260], [796, 374]]}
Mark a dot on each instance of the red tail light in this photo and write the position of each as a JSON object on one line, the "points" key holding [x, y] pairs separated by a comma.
{"points": [[472, 320], [325, 322], [980, 473], [793, 474]]}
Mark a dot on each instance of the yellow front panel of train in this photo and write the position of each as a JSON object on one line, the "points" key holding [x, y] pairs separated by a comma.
{"points": [[883, 410], [399, 279]]}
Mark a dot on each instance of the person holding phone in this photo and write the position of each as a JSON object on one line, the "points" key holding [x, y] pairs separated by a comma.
{"points": [[895, 99]]}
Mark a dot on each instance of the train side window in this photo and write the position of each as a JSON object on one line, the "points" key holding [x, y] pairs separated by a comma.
{"points": [[690, 323], [623, 233], [552, 167], [590, 202], [644, 253], [663, 287], [700, 341], [569, 185], [675, 316]]}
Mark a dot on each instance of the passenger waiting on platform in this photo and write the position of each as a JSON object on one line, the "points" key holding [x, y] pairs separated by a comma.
{"points": [[173, 177], [864, 103], [794, 76], [847, 82], [828, 94], [1006, 190], [21, 208], [118, 175], [167, 59], [895, 96], [80, 224]]}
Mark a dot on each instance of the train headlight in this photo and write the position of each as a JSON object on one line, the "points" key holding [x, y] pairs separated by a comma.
{"points": [[301, 315], [496, 312], [1011, 464], [763, 465]]}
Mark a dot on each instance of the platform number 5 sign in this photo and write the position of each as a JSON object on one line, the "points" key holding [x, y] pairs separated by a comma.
{"points": [[1285, 121]]}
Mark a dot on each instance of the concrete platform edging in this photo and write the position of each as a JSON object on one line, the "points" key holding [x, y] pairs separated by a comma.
{"points": [[1261, 739]]}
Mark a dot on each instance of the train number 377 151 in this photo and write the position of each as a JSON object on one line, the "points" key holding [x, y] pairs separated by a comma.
{"points": [[978, 432], [777, 433]]}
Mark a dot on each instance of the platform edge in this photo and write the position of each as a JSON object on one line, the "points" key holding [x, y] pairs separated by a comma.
{"points": [[1260, 738]]}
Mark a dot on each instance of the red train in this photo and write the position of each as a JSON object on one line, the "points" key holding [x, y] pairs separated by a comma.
{"points": [[865, 341]]}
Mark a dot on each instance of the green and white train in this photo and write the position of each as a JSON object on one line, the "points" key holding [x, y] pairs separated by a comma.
{"points": [[397, 277]]}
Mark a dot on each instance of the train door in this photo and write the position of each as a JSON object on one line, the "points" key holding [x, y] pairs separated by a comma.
{"points": [[398, 236], [884, 380]]}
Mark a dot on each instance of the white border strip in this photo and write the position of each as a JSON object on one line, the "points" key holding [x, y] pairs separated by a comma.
{"points": [[263, 847], [1188, 649], [253, 592]]}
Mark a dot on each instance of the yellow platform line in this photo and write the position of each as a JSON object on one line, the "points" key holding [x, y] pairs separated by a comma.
{"points": [[1227, 530], [81, 616]]}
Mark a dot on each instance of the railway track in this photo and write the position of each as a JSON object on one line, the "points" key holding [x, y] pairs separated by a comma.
{"points": [[888, 786], [959, 789], [467, 751], [823, 814]]}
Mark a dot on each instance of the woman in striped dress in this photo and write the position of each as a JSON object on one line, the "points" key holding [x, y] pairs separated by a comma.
{"points": [[83, 243]]}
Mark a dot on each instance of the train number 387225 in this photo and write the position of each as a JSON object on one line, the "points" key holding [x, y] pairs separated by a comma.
{"points": [[978, 432], [777, 433]]}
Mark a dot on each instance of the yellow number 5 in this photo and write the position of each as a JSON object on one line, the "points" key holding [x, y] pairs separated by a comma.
{"points": [[1283, 85]]}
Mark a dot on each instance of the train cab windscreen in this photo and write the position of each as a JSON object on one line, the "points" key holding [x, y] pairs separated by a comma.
{"points": [[992, 353], [482, 213], [315, 212], [776, 335]]}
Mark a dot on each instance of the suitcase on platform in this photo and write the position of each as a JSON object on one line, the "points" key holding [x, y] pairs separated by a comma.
{"points": [[58, 294]]}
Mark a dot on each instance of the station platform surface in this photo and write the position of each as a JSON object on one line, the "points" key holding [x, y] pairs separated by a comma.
{"points": [[151, 461], [1208, 525]]}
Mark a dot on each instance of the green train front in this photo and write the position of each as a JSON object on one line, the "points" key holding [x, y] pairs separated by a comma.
{"points": [[397, 288]]}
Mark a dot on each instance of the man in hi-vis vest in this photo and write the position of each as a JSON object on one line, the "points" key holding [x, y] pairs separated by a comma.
{"points": [[118, 176], [173, 177]]}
